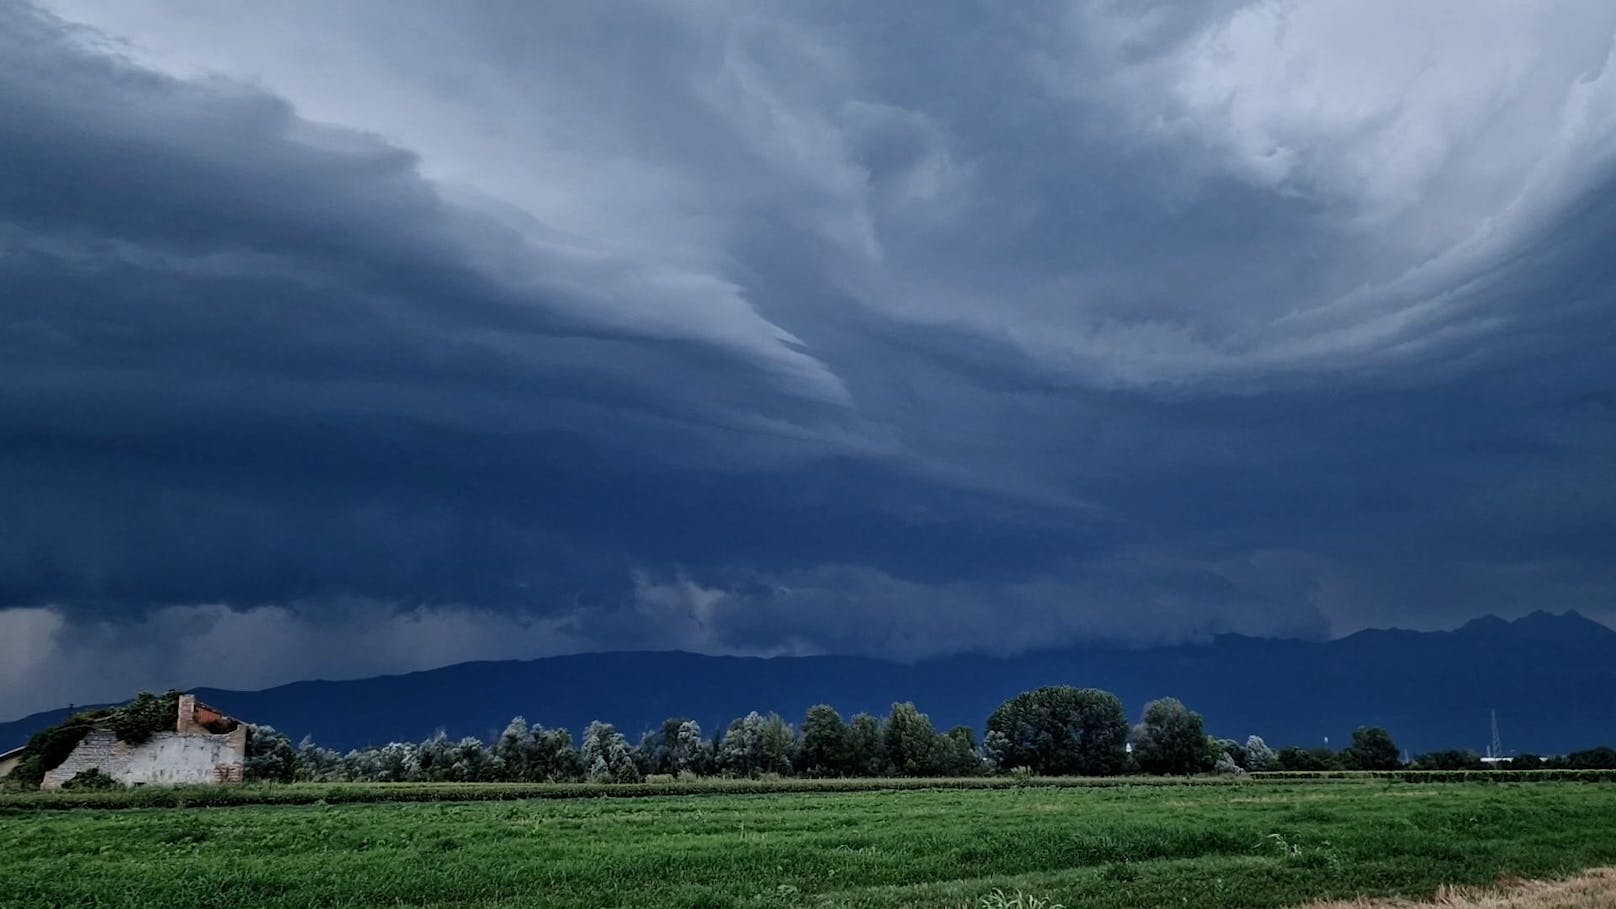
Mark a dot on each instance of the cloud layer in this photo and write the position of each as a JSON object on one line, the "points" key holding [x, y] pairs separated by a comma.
{"points": [[761, 328]]}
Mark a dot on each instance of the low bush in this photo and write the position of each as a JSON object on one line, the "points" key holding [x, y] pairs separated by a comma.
{"points": [[92, 780]]}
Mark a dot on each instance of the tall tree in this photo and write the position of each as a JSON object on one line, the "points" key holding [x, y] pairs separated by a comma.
{"points": [[1372, 749], [864, 754], [958, 754], [687, 753], [910, 742], [606, 755], [1258, 755], [515, 751], [318, 765], [655, 753], [756, 744], [824, 743], [270, 756], [1060, 730], [1171, 739], [554, 758]]}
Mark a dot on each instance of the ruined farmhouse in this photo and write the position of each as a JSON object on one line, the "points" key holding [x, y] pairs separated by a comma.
{"points": [[10, 759], [205, 746]]}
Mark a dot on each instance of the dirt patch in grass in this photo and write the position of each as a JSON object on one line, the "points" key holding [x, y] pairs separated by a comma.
{"points": [[1590, 890]]}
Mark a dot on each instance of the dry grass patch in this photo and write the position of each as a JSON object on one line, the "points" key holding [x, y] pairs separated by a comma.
{"points": [[1594, 889]]}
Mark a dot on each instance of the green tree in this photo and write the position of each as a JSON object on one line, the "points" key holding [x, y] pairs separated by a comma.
{"points": [[909, 742], [958, 754], [270, 756], [1058, 730], [606, 755], [395, 762], [1600, 758], [1372, 749], [435, 757], [757, 744], [864, 754], [1218, 759], [1258, 755], [778, 745], [1171, 739], [1235, 751], [318, 765], [687, 753], [824, 743], [515, 751], [1451, 759], [554, 758], [1295, 757], [146, 715]]}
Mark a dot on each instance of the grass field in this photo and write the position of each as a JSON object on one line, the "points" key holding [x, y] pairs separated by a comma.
{"points": [[1237, 845]]}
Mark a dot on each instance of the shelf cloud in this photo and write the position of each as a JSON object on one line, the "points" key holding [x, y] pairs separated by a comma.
{"points": [[503, 331]]}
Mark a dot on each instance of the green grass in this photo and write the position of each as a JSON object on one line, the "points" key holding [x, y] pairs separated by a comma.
{"points": [[1238, 845]]}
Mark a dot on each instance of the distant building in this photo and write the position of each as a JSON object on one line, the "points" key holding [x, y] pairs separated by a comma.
{"points": [[205, 747], [10, 759]]}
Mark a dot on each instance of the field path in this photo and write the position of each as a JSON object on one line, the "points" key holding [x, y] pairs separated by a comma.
{"points": [[1594, 889]]}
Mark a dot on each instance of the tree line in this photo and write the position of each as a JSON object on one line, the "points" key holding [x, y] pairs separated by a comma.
{"points": [[1050, 731]]}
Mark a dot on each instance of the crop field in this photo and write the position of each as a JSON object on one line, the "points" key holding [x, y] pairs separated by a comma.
{"points": [[1246, 844]]}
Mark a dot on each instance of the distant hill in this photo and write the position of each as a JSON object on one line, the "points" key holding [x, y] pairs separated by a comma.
{"points": [[1551, 678]]}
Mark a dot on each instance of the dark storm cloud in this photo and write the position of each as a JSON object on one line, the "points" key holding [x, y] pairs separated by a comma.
{"points": [[766, 329]]}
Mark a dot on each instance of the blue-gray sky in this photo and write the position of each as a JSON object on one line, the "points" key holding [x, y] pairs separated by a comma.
{"points": [[347, 338]]}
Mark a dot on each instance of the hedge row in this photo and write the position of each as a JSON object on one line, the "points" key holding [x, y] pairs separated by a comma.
{"points": [[1447, 776], [349, 793]]}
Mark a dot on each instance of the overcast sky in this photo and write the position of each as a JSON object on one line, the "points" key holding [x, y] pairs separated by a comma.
{"points": [[343, 338]]}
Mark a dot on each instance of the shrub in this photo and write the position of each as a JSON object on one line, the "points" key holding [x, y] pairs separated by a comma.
{"points": [[48, 748], [144, 716], [92, 780]]}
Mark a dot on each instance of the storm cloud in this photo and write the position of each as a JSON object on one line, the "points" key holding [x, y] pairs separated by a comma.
{"points": [[373, 336]]}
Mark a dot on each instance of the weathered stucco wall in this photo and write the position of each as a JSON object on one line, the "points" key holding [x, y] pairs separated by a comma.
{"points": [[166, 759]]}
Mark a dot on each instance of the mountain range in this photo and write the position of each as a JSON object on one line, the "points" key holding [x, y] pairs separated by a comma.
{"points": [[1550, 679]]}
